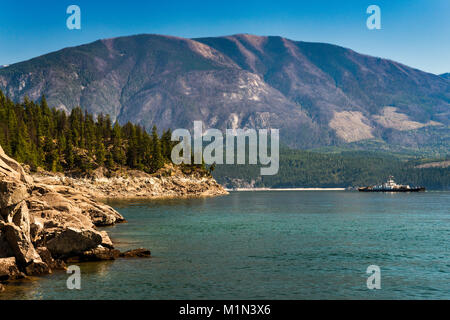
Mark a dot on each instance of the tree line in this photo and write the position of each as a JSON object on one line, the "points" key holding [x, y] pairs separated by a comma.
{"points": [[40, 136], [299, 168]]}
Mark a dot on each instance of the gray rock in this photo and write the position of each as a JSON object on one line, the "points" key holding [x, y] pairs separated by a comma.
{"points": [[36, 268], [99, 253], [46, 256], [9, 269], [12, 192], [11, 168], [21, 217], [5, 249], [20, 244], [71, 241], [136, 253], [106, 241]]}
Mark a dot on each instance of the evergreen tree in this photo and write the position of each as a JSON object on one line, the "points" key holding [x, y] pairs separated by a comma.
{"points": [[38, 135], [166, 144], [157, 161], [23, 152], [132, 146], [101, 154], [109, 160], [68, 155], [12, 133], [51, 155]]}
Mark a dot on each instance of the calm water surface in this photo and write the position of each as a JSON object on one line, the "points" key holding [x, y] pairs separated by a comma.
{"points": [[271, 245]]}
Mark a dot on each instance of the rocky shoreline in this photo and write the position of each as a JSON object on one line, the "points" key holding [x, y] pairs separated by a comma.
{"points": [[169, 182], [48, 220]]}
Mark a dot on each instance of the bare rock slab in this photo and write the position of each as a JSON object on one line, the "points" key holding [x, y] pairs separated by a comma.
{"points": [[9, 269], [71, 241]]}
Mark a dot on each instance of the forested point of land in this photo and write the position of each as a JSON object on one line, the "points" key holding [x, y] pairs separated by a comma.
{"points": [[39, 136]]}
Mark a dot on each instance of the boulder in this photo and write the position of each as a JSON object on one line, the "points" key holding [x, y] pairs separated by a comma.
{"points": [[57, 202], [46, 256], [9, 269], [20, 216], [20, 244], [5, 249], [101, 215], [71, 241], [99, 253], [106, 241], [36, 268], [12, 192], [64, 221], [36, 230], [11, 168], [136, 253], [53, 209]]}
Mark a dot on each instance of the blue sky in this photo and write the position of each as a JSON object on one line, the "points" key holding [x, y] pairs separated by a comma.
{"points": [[414, 32]]}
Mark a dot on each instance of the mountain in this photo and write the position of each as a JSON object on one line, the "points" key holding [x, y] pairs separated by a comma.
{"points": [[317, 94], [445, 75]]}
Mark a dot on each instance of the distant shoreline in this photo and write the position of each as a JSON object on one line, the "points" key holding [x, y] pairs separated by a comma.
{"points": [[286, 189]]}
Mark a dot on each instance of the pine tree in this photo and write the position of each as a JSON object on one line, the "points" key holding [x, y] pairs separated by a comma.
{"points": [[51, 155], [12, 133], [101, 154], [166, 144], [118, 154], [69, 156], [109, 160], [157, 161], [23, 152], [132, 146]]}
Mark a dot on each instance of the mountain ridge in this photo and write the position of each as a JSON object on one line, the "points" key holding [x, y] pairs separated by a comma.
{"points": [[317, 94]]}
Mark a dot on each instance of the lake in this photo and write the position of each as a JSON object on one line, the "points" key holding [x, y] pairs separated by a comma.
{"points": [[270, 245]]}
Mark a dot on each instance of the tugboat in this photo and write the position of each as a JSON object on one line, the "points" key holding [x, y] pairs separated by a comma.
{"points": [[391, 186]]}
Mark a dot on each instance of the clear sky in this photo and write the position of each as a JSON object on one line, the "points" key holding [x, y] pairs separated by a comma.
{"points": [[414, 32]]}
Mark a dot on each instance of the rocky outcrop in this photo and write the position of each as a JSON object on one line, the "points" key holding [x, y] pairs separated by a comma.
{"points": [[12, 169], [42, 225], [46, 256], [98, 253], [50, 220], [20, 243], [70, 241], [169, 182], [12, 192], [9, 269]]}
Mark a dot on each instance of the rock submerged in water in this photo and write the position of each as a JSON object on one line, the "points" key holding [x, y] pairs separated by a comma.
{"points": [[136, 253], [42, 226]]}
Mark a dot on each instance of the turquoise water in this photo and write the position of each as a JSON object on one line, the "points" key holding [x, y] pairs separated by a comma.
{"points": [[271, 245]]}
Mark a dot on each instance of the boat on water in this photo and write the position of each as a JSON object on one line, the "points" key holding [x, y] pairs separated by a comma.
{"points": [[391, 186]]}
